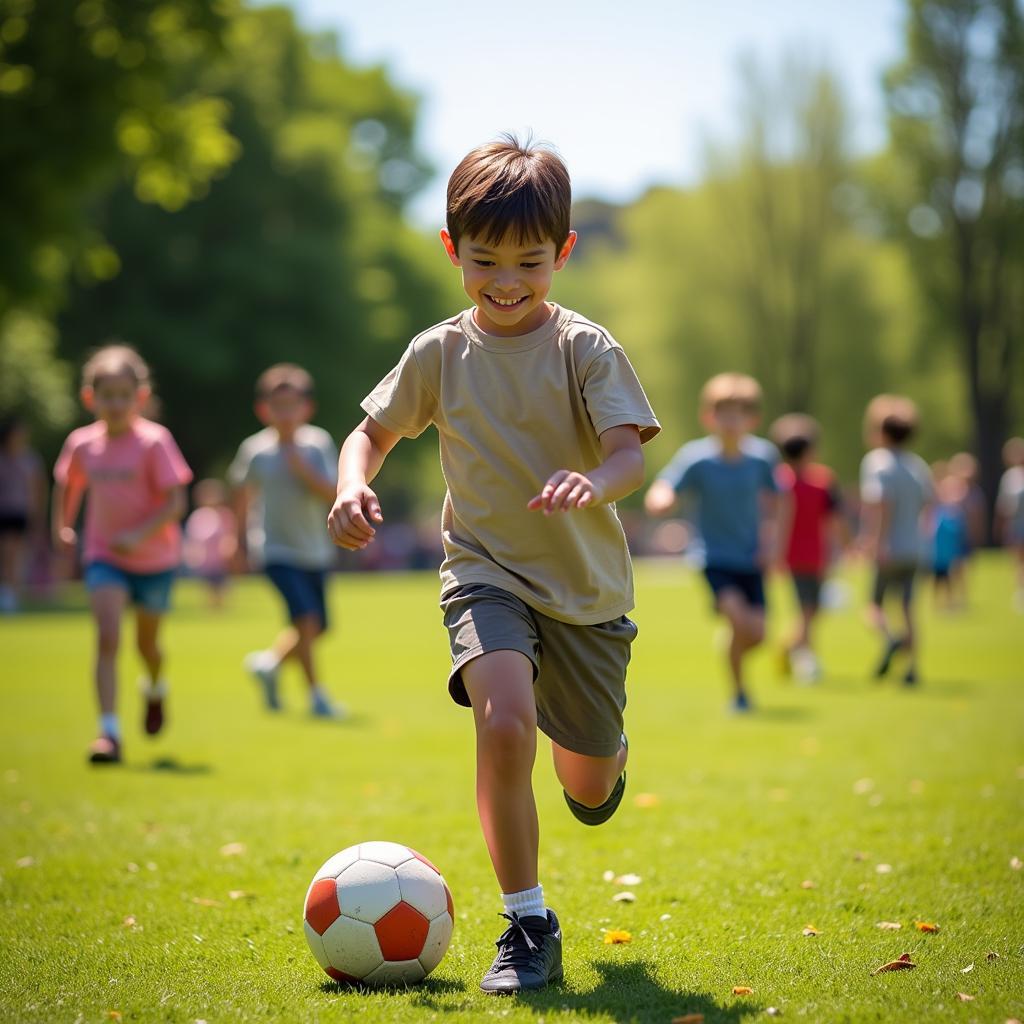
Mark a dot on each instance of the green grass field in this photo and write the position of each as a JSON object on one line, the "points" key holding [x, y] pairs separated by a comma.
{"points": [[116, 894]]}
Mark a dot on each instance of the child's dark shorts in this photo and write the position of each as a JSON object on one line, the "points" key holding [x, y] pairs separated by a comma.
{"points": [[808, 588], [749, 584], [302, 590], [579, 672], [898, 576]]}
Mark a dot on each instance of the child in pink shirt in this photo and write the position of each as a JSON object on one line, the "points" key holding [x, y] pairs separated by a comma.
{"points": [[211, 538], [135, 477]]}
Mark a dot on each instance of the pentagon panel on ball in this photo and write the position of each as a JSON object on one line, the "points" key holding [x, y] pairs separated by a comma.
{"points": [[378, 913]]}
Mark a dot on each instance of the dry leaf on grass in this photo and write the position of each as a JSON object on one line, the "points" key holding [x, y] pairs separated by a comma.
{"points": [[883, 869], [926, 926], [128, 922], [809, 929], [904, 963], [624, 897], [860, 855], [202, 901], [807, 884], [742, 990], [647, 800], [964, 997], [889, 926], [689, 1018], [1016, 863], [114, 1014], [628, 879], [232, 849], [967, 969], [614, 937], [241, 894], [992, 955], [24, 862]]}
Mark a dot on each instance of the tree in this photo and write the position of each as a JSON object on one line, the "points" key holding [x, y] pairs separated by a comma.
{"points": [[956, 122]]}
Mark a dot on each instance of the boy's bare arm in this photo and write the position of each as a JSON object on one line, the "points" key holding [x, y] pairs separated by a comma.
{"points": [[322, 486], [361, 457], [173, 508], [67, 500], [621, 473]]}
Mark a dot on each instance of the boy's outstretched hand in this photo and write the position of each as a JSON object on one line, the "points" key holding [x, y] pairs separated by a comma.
{"points": [[563, 492], [349, 520]]}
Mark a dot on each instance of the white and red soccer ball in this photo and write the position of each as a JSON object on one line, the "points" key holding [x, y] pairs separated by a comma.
{"points": [[380, 914]]}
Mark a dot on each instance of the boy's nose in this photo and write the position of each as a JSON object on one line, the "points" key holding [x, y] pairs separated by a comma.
{"points": [[507, 281]]}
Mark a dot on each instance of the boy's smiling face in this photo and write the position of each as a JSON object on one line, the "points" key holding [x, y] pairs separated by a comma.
{"points": [[508, 281]]}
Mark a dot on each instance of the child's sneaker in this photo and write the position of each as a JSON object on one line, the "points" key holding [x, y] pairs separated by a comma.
{"points": [[323, 707], [910, 677], [153, 713], [741, 704], [806, 666], [529, 955], [105, 750], [600, 814], [894, 644], [264, 670]]}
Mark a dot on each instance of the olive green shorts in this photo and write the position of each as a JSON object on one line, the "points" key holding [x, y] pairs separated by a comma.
{"points": [[579, 672]]}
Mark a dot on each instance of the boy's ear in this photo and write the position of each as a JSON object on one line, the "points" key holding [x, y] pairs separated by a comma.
{"points": [[88, 397], [449, 247], [262, 411], [563, 257]]}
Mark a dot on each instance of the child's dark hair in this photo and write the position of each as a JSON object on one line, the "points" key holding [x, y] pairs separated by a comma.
{"points": [[284, 377], [896, 429], [115, 360], [895, 417], [513, 190], [795, 434]]}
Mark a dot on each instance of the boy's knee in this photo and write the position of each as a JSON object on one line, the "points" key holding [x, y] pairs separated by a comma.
{"points": [[591, 792], [507, 737]]}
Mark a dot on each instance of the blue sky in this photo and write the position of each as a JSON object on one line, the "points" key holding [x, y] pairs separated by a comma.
{"points": [[626, 90]]}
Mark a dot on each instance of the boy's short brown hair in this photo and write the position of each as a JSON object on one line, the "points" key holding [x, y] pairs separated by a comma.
{"points": [[506, 189], [726, 388], [894, 416], [115, 360], [282, 377], [795, 433]]}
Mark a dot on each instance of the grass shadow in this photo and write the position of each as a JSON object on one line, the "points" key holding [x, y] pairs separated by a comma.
{"points": [[422, 992], [782, 713], [172, 766]]}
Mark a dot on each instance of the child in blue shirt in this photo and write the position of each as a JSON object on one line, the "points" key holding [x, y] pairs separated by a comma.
{"points": [[730, 474]]}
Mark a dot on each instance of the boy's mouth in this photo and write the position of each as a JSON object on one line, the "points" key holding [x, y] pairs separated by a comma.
{"points": [[503, 302]]}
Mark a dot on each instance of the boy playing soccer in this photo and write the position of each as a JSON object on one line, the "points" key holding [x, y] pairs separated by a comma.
{"points": [[808, 517], [540, 419], [290, 466], [895, 489], [730, 473]]}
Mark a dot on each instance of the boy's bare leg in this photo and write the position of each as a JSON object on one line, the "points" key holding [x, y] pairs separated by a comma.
{"points": [[107, 607], [588, 780], [500, 688], [747, 625], [147, 627], [306, 628], [910, 638]]}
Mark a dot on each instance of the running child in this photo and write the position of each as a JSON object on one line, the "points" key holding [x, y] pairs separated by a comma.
{"points": [[133, 478], [541, 420], [948, 533], [211, 538], [285, 479], [730, 476], [895, 490], [1009, 525], [810, 522]]}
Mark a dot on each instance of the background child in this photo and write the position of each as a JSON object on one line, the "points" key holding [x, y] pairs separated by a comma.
{"points": [[540, 418], [22, 508], [134, 476], [809, 518], [949, 533], [895, 489], [730, 474], [211, 538], [973, 510], [285, 478], [1010, 509]]}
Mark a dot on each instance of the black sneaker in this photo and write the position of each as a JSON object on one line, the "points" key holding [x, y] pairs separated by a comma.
{"points": [[894, 644], [910, 677], [529, 955], [600, 814]]}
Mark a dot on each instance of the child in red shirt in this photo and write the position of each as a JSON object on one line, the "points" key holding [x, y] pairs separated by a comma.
{"points": [[135, 477], [809, 508]]}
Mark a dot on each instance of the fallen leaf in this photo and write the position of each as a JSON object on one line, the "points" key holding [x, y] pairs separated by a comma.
{"points": [[860, 855], [667, 917], [132, 868], [202, 901], [1016, 863], [25, 862], [628, 879], [232, 849], [114, 1014], [128, 922], [742, 990], [609, 876], [647, 800], [904, 963], [992, 955], [624, 897], [883, 869], [967, 969], [926, 926], [889, 926], [964, 997], [807, 884], [862, 786], [241, 894], [616, 938], [809, 929], [689, 1018]]}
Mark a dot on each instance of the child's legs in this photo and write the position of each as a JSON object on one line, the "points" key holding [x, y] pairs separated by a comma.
{"points": [[588, 780], [747, 622], [500, 689], [147, 628], [306, 628], [108, 603], [303, 591], [907, 608]]}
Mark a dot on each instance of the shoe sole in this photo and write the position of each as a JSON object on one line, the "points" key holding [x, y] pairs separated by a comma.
{"points": [[555, 979]]}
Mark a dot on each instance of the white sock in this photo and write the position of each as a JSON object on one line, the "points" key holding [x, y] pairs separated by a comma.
{"points": [[109, 725], [526, 903]]}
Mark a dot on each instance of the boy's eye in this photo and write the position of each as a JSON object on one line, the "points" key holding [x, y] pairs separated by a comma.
{"points": [[529, 266], [484, 263]]}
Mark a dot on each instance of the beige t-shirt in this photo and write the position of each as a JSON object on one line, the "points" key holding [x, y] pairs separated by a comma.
{"points": [[509, 413]]}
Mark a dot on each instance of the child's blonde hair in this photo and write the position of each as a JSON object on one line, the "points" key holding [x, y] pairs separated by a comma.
{"points": [[725, 388], [1013, 452], [895, 417], [115, 360]]}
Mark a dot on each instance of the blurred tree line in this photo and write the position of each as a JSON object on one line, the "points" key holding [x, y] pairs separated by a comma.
{"points": [[218, 187]]}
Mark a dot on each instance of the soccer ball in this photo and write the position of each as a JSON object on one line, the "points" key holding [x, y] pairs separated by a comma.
{"points": [[379, 914]]}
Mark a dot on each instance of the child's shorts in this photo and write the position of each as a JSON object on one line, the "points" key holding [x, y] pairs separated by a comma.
{"points": [[149, 590], [808, 588], [749, 584], [302, 590], [898, 576], [579, 672]]}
